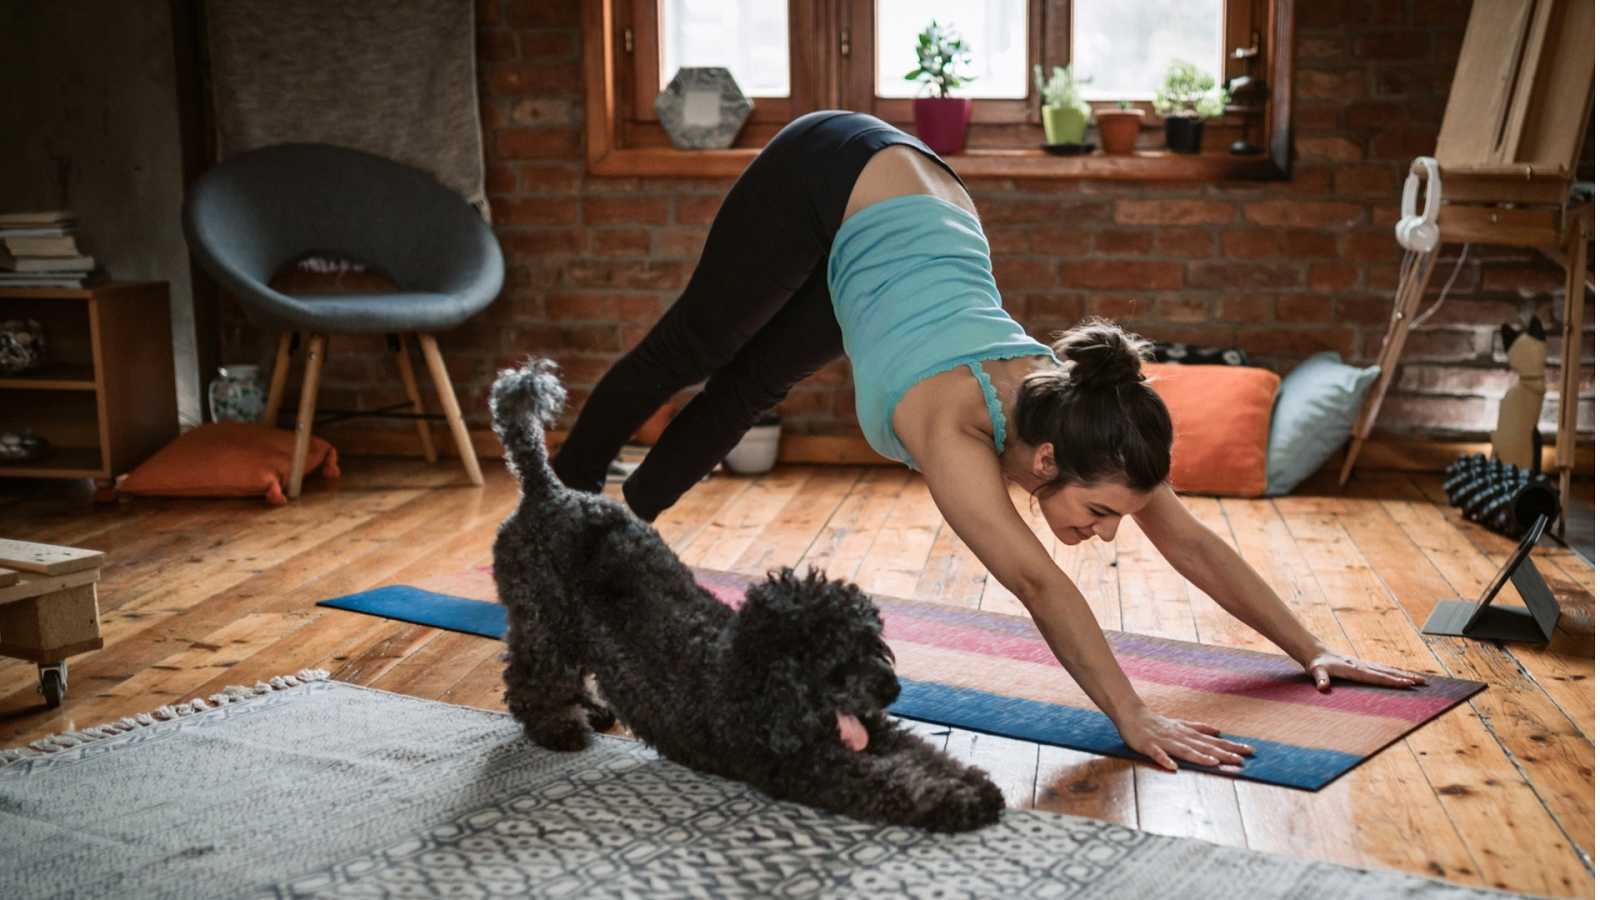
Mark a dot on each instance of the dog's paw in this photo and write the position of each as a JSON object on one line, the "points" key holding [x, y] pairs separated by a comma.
{"points": [[966, 806], [563, 735], [977, 777], [600, 716]]}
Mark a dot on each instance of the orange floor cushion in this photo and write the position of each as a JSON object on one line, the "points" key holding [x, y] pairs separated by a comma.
{"points": [[1221, 418], [227, 459]]}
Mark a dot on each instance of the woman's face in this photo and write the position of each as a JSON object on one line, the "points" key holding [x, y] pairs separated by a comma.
{"points": [[1075, 512], [1078, 512]]}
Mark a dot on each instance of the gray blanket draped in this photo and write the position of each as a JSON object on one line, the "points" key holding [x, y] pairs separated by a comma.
{"points": [[396, 78]]}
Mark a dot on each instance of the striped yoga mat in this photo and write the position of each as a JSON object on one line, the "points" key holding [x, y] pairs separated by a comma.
{"points": [[994, 674]]}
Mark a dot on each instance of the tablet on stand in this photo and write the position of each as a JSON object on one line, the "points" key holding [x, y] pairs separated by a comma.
{"points": [[1486, 620]]}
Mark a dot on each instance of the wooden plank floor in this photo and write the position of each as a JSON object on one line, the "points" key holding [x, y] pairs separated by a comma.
{"points": [[197, 595]]}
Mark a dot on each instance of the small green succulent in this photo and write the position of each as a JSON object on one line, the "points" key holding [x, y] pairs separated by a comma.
{"points": [[1061, 89]]}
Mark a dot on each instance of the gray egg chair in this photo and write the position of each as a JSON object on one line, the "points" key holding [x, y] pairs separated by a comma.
{"points": [[253, 214]]}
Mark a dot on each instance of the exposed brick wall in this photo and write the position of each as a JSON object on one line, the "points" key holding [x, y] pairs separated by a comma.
{"points": [[1281, 269]]}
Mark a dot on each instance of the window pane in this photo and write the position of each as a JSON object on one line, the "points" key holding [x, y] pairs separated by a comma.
{"points": [[750, 38], [1125, 45], [996, 30]]}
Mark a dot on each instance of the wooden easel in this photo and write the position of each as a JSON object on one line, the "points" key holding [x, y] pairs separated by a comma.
{"points": [[1508, 149]]}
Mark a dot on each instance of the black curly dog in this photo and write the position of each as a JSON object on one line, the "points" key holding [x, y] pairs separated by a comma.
{"points": [[767, 695]]}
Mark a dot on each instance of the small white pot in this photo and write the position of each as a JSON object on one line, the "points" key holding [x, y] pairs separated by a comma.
{"points": [[756, 452]]}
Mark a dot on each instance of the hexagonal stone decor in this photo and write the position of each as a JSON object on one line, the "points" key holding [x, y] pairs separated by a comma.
{"points": [[703, 108]]}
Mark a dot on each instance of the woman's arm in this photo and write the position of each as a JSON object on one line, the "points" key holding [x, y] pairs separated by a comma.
{"points": [[1216, 568], [965, 480]]}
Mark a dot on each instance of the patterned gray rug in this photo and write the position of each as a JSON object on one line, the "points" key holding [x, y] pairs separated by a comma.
{"points": [[322, 789]]}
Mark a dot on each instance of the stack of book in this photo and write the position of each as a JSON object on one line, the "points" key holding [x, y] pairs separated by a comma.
{"points": [[37, 249]]}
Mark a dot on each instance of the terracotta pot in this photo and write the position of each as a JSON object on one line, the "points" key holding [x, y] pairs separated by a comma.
{"points": [[942, 122], [1119, 129]]}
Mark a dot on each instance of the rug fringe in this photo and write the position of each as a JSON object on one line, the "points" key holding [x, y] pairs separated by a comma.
{"points": [[233, 693]]}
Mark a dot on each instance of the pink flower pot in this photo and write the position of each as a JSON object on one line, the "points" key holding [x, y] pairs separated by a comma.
{"points": [[942, 122]]}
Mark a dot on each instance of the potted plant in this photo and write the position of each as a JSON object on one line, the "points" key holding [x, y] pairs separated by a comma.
{"points": [[1119, 127], [757, 451], [941, 120], [1062, 107], [1187, 97]]}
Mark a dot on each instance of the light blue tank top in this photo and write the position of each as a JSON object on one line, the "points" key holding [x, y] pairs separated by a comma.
{"points": [[914, 292]]}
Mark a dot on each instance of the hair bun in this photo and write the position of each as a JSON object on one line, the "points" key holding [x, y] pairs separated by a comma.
{"points": [[1102, 355]]}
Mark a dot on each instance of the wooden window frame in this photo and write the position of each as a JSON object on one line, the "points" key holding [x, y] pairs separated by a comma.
{"points": [[623, 137]]}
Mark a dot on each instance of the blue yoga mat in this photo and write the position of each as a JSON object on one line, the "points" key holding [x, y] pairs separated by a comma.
{"points": [[420, 607]]}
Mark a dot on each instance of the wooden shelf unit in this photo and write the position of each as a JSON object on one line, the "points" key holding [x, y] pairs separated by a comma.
{"points": [[106, 398]]}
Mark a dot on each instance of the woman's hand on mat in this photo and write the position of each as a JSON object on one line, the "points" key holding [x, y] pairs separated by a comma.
{"points": [[1327, 665], [1163, 739]]}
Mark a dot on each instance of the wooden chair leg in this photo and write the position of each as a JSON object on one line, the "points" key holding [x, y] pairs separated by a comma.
{"points": [[1412, 286], [280, 374], [452, 409], [308, 412], [424, 431]]}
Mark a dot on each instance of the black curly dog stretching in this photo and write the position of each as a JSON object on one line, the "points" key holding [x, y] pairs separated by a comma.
{"points": [[775, 695]]}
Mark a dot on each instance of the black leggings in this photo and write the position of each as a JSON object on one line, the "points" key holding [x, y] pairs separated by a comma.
{"points": [[754, 320]]}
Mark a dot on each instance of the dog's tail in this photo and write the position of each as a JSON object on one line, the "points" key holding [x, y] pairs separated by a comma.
{"points": [[522, 404]]}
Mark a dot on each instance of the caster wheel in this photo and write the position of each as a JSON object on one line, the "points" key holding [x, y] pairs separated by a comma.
{"points": [[53, 686]]}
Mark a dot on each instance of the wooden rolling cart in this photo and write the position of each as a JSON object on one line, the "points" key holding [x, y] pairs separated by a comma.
{"points": [[105, 398], [48, 608]]}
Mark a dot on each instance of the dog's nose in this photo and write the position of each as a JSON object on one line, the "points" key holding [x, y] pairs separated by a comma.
{"points": [[889, 688]]}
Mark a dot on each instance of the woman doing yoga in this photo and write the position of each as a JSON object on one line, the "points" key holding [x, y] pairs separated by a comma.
{"points": [[846, 235]]}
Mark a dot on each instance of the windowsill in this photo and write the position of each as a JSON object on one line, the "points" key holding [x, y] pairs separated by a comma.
{"points": [[1143, 165]]}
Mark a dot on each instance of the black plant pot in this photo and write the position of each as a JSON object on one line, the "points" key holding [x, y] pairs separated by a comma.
{"points": [[1183, 133]]}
